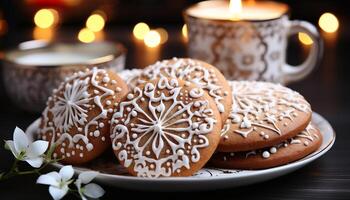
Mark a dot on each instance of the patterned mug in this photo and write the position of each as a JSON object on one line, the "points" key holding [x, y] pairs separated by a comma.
{"points": [[250, 49]]}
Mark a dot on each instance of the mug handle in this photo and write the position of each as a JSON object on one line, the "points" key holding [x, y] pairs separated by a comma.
{"points": [[295, 73]]}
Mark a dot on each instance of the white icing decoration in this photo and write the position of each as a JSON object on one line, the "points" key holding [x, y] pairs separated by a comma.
{"points": [[162, 124], [191, 71], [71, 110], [254, 106], [265, 154]]}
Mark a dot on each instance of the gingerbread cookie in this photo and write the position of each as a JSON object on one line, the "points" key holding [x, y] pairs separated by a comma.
{"points": [[77, 116], [165, 127], [263, 114], [130, 76], [200, 73], [291, 150]]}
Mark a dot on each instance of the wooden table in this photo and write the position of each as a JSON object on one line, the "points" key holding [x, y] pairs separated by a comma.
{"points": [[327, 89]]}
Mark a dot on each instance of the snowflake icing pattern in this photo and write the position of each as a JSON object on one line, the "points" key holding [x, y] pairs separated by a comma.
{"points": [[71, 108], [166, 137]]}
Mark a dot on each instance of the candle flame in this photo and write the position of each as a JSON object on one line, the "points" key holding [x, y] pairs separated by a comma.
{"points": [[235, 8]]}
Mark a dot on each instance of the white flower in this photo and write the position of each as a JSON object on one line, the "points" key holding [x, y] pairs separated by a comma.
{"points": [[23, 150], [90, 190], [58, 182]]}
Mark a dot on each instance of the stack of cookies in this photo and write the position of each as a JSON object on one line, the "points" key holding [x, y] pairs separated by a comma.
{"points": [[175, 116]]}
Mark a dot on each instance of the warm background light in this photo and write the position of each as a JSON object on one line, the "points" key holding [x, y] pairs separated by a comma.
{"points": [[328, 22], [163, 35], [152, 38], [46, 18], [235, 8], [86, 35], [304, 38], [95, 22], [43, 33], [184, 31], [140, 30]]}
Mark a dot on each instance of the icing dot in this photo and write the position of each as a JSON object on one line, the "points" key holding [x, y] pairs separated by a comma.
{"points": [[103, 138], [265, 154], [101, 125], [151, 166], [89, 147], [113, 82], [73, 153], [266, 136], [180, 152], [178, 170], [80, 129], [128, 109], [183, 135], [63, 144], [148, 153], [306, 143], [167, 151], [96, 133], [201, 141], [96, 91], [224, 158], [81, 148], [81, 155], [91, 133], [62, 150], [110, 110], [50, 123], [168, 164], [134, 135], [105, 79], [130, 96], [142, 99], [285, 145], [108, 102], [118, 89], [195, 125], [273, 150], [285, 124], [179, 107], [225, 137], [68, 154], [55, 155], [232, 154]]}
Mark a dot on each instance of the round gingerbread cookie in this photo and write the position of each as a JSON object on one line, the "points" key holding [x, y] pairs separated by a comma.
{"points": [[165, 127], [290, 150], [200, 73], [77, 116], [263, 114], [130, 76]]}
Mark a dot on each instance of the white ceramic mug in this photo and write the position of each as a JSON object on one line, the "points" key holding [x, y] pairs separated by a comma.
{"points": [[250, 49]]}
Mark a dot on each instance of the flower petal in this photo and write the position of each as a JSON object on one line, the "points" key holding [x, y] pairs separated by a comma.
{"points": [[58, 193], [35, 162], [11, 145], [37, 148], [93, 190], [88, 176], [48, 179], [20, 140], [66, 172]]}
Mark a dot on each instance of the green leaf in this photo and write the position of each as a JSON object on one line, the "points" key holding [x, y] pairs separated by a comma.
{"points": [[6, 146]]}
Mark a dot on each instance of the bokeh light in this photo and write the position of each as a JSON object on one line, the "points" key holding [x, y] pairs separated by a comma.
{"points": [[46, 18], [86, 35], [46, 34], [328, 22], [163, 35], [152, 39], [304, 38], [95, 22], [184, 31], [140, 30]]}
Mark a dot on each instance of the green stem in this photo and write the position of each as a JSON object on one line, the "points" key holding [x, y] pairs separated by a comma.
{"points": [[12, 171]]}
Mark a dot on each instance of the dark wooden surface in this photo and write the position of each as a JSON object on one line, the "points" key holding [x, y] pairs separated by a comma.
{"points": [[327, 89]]}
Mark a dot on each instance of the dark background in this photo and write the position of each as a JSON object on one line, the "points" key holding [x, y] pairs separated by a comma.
{"points": [[327, 89]]}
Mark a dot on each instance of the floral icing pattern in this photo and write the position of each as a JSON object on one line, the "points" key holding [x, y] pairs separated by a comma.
{"points": [[160, 128], [262, 105], [189, 70], [77, 110]]}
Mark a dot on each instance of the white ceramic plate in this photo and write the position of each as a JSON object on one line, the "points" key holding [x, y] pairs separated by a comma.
{"points": [[207, 178]]}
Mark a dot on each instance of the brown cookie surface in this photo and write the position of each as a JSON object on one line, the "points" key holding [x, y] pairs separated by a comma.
{"points": [[290, 150], [130, 77], [200, 73], [77, 116], [166, 127], [263, 114]]}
